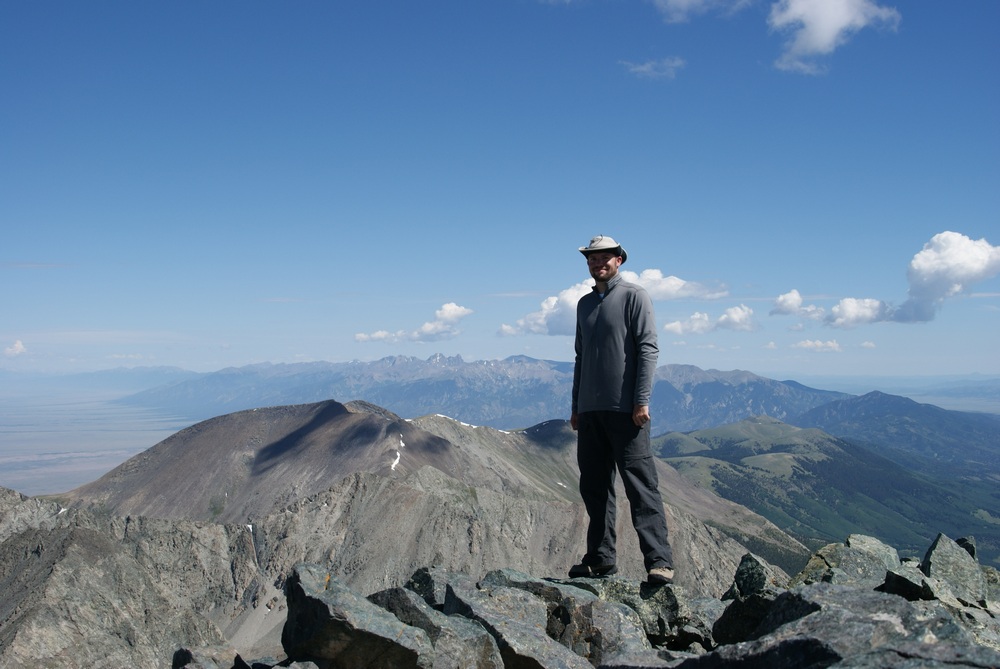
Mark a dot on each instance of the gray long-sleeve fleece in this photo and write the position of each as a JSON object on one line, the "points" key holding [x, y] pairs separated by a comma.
{"points": [[616, 349]]}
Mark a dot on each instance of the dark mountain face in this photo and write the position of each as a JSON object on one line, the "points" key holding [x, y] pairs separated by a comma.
{"points": [[504, 394]]}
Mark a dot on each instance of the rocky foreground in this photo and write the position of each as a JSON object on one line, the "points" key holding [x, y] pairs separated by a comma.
{"points": [[332, 535], [854, 605]]}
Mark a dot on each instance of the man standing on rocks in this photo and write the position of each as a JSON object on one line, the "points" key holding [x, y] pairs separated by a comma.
{"points": [[616, 354]]}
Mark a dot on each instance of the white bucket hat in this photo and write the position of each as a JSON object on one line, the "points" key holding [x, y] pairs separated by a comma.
{"points": [[604, 243]]}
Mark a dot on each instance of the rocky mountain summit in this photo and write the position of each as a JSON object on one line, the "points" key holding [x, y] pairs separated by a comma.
{"points": [[310, 535], [855, 605]]}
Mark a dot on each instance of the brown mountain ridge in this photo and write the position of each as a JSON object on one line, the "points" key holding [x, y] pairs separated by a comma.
{"points": [[445, 479]]}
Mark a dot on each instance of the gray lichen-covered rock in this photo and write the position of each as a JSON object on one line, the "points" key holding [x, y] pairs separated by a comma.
{"points": [[595, 628], [878, 550], [947, 561], [432, 584], [853, 618], [916, 655], [992, 577], [81, 589], [518, 621], [755, 576], [741, 618], [332, 626], [755, 587], [908, 582], [537, 622], [670, 617], [459, 643], [860, 561], [822, 624]]}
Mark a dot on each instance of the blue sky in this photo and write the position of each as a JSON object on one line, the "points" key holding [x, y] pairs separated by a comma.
{"points": [[805, 187]]}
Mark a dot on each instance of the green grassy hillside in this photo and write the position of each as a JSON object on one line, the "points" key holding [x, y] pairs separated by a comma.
{"points": [[821, 488]]}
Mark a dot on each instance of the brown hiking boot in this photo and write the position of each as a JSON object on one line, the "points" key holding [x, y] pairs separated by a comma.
{"points": [[660, 576]]}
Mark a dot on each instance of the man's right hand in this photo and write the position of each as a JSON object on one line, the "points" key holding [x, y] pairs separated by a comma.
{"points": [[572, 421]]}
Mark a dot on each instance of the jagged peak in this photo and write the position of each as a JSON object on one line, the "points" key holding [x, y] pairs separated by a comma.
{"points": [[441, 359]]}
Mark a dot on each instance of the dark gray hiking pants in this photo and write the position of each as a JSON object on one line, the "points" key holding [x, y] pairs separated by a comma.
{"points": [[608, 441]]}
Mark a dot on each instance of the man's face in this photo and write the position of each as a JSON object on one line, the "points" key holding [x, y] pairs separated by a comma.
{"points": [[603, 266]]}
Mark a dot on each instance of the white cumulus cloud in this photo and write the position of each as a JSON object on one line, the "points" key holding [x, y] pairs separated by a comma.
{"points": [[818, 27], [820, 346], [949, 264], [735, 318], [815, 28], [662, 287], [791, 304], [15, 349], [698, 323], [557, 315], [851, 312], [444, 326]]}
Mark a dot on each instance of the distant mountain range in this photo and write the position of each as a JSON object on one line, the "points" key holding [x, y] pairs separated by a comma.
{"points": [[513, 393], [688, 398], [818, 463], [924, 436]]}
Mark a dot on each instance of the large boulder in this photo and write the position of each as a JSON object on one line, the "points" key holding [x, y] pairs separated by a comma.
{"points": [[947, 561], [458, 641], [860, 561], [331, 625]]}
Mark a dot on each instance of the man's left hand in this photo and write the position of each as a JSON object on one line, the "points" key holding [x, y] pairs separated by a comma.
{"points": [[640, 415]]}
